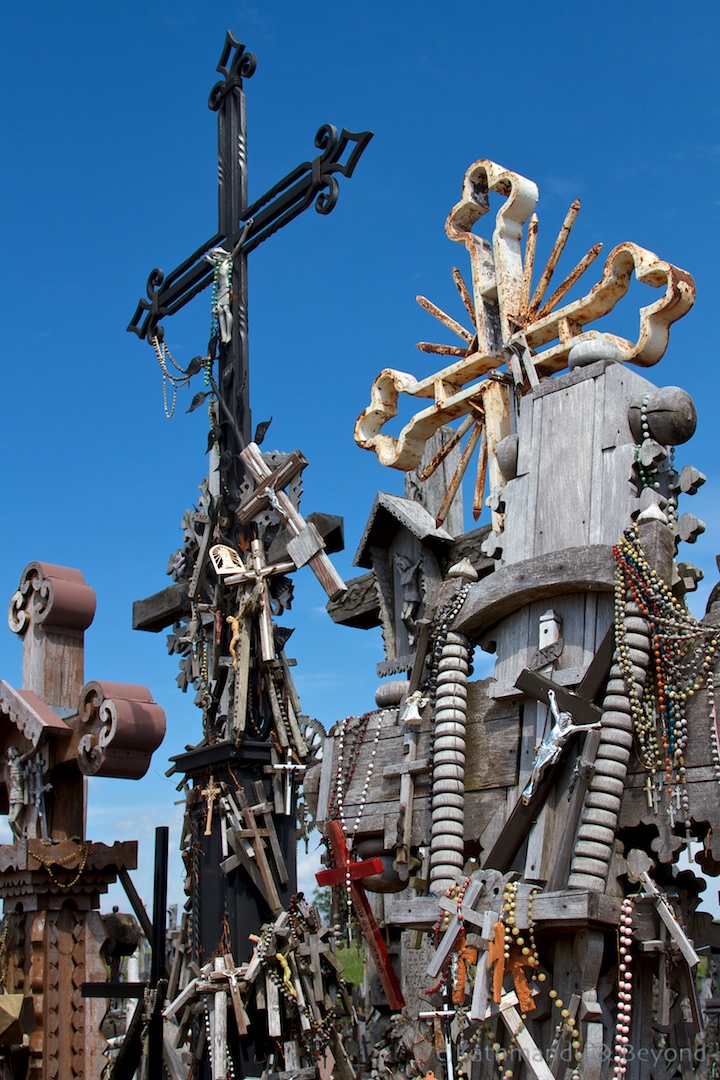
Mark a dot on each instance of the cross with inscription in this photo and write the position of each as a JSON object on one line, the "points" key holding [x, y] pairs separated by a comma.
{"points": [[242, 227]]}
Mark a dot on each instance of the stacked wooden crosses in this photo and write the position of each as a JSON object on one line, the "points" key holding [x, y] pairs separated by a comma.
{"points": [[546, 805], [292, 987]]}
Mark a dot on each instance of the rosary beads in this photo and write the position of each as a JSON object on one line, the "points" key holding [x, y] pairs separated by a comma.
{"points": [[622, 1026], [681, 652]]}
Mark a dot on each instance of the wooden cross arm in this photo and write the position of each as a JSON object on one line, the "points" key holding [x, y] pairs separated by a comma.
{"points": [[258, 500], [391, 772], [537, 686], [337, 875], [320, 564]]}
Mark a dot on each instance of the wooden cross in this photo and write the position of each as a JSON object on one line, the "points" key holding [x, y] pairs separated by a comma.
{"points": [[286, 770], [255, 865], [343, 870], [523, 815], [531, 1052], [486, 886], [211, 792], [639, 865], [444, 1017], [406, 770], [307, 546]]}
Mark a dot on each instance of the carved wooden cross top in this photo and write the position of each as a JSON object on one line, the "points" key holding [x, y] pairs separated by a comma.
{"points": [[306, 545], [343, 870]]}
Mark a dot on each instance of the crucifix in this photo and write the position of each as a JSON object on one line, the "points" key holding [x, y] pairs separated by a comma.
{"points": [[239, 704]]}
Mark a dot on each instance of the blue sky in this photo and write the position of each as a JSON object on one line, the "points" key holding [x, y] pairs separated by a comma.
{"points": [[109, 169]]}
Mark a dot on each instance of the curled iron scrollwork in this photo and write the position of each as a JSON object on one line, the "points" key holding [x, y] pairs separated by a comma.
{"points": [[241, 66], [154, 281]]}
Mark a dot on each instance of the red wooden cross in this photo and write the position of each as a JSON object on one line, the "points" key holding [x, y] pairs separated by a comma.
{"points": [[356, 871]]}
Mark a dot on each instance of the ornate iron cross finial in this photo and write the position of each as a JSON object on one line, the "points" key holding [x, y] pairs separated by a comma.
{"points": [[242, 226], [235, 64]]}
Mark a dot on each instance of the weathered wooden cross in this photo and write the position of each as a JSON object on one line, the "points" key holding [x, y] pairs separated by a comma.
{"points": [[407, 769]]}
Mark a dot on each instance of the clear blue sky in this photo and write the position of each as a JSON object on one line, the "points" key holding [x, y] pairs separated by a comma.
{"points": [[109, 169]]}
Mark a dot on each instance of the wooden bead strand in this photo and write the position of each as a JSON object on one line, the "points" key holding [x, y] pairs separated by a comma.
{"points": [[621, 1043]]}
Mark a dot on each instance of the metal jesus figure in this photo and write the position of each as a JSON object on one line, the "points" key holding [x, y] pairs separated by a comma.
{"points": [[551, 748]]}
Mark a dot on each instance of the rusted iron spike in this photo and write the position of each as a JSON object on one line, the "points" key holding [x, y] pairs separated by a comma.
{"points": [[575, 274], [464, 294], [444, 319], [459, 473], [528, 264], [554, 257], [444, 350], [445, 450], [480, 479]]}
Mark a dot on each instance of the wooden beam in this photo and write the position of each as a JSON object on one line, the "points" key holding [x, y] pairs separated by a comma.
{"points": [[161, 609], [578, 569]]}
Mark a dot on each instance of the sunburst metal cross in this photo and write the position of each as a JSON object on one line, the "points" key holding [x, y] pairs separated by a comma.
{"points": [[512, 326]]}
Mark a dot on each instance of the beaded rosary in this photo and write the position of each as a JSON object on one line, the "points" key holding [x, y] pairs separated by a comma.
{"points": [[513, 939], [621, 1043], [648, 453], [682, 651], [343, 779]]}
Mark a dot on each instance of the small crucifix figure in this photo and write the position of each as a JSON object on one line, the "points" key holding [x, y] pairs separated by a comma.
{"points": [[550, 749], [344, 871], [211, 792]]}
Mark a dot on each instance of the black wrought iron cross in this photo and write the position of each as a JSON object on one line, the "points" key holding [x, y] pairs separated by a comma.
{"points": [[241, 228]]}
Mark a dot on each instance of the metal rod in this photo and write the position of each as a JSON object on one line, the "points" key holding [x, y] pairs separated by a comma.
{"points": [[554, 257]]}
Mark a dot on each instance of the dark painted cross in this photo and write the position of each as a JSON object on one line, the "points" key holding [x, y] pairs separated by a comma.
{"points": [[523, 815], [242, 227], [147, 1018]]}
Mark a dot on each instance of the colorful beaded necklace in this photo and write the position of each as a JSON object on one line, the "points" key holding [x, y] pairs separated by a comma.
{"points": [[681, 652]]}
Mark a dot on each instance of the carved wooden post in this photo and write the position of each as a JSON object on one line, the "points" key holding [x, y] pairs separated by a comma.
{"points": [[51, 878]]}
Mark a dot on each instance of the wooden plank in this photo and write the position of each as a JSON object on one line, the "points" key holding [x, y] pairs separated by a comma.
{"points": [[574, 569], [162, 609], [575, 908], [563, 469]]}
